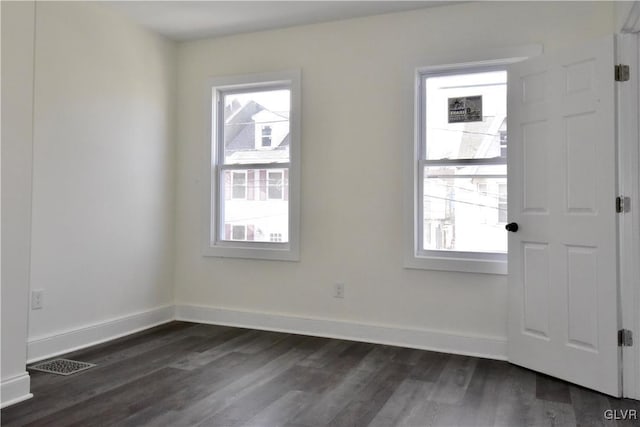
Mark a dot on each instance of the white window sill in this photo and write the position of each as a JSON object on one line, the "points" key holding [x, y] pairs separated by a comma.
{"points": [[465, 265], [229, 250]]}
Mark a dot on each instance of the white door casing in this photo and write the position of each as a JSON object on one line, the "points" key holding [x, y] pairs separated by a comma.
{"points": [[628, 95], [563, 279]]}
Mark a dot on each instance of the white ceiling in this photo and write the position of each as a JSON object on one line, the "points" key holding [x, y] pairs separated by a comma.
{"points": [[188, 20]]}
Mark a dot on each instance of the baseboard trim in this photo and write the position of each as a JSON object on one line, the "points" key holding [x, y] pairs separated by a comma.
{"points": [[440, 341], [15, 389], [40, 348]]}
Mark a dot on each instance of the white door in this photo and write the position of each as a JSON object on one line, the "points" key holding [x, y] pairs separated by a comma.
{"points": [[563, 307]]}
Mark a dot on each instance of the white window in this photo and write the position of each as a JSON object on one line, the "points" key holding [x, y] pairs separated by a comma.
{"points": [[239, 185], [254, 169], [266, 136], [275, 185], [460, 197], [275, 237], [238, 232]]}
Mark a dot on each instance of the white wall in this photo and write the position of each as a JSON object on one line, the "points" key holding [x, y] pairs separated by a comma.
{"points": [[17, 147], [357, 119], [103, 181]]}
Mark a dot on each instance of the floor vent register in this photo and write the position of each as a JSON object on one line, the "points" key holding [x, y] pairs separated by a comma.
{"points": [[61, 366]]}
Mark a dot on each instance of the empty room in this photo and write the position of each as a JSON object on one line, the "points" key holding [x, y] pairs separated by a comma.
{"points": [[310, 213]]}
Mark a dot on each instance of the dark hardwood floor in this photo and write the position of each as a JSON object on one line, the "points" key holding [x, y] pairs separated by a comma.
{"points": [[185, 374]]}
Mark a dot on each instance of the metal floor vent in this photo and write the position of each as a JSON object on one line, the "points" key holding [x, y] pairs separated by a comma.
{"points": [[61, 366]]}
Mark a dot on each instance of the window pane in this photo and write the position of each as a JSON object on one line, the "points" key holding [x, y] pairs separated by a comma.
{"points": [[465, 115], [256, 127], [262, 215], [465, 208]]}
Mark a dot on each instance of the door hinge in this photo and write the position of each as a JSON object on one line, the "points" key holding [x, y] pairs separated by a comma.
{"points": [[625, 338], [622, 73], [623, 204]]}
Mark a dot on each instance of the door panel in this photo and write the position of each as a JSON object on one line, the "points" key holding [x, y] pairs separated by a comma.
{"points": [[536, 289], [534, 167], [563, 281], [581, 161], [582, 297]]}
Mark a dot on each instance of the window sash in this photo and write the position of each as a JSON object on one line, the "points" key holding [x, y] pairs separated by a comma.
{"points": [[219, 167], [422, 105], [217, 230], [220, 95], [444, 253]]}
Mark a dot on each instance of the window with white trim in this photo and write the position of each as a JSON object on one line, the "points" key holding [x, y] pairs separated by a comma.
{"points": [[239, 185], [461, 169], [239, 232], [275, 185], [266, 136], [254, 168], [275, 237]]}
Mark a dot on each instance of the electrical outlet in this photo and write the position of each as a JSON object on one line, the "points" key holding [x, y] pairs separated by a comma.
{"points": [[338, 290], [36, 299]]}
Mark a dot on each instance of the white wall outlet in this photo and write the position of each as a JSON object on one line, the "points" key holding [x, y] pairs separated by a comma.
{"points": [[37, 296], [338, 290]]}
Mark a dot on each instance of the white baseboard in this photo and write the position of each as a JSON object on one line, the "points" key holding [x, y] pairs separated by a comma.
{"points": [[15, 389], [40, 348], [446, 342]]}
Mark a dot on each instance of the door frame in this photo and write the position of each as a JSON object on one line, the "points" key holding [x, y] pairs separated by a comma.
{"points": [[628, 100]]}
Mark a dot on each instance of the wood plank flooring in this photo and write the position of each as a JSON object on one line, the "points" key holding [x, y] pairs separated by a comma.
{"points": [[186, 374]]}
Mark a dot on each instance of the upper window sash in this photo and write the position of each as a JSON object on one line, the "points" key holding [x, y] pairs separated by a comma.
{"points": [[423, 76], [282, 91]]}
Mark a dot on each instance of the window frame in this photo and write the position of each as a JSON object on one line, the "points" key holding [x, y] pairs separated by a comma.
{"points": [[462, 60], [415, 256], [213, 216]]}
